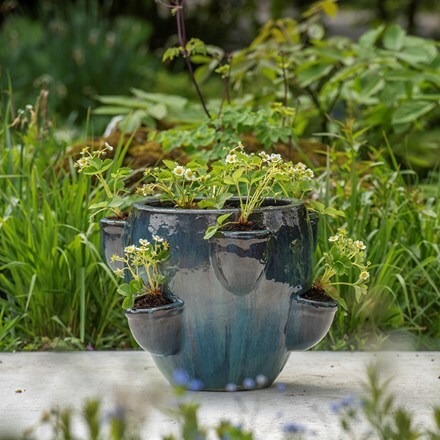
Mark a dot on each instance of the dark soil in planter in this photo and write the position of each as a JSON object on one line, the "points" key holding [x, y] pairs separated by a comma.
{"points": [[124, 217], [316, 294], [150, 301], [246, 227]]}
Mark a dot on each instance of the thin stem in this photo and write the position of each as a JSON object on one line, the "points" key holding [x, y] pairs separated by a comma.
{"points": [[181, 33]]}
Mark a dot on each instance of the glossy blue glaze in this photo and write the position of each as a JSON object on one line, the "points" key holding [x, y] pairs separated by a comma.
{"points": [[239, 259], [158, 330], [232, 330], [112, 231], [309, 321]]}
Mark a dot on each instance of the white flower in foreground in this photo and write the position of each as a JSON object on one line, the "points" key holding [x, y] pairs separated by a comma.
{"points": [[144, 242], [333, 238], [309, 173], [119, 272], [157, 239], [275, 158], [82, 163], [360, 245], [364, 275], [231, 158], [300, 166], [179, 171], [130, 249], [189, 174]]}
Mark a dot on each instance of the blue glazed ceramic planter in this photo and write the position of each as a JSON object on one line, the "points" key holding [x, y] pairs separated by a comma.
{"points": [[242, 316]]}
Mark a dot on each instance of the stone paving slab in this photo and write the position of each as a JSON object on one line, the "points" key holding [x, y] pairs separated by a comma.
{"points": [[33, 382]]}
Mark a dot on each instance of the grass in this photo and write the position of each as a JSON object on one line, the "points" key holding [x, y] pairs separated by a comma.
{"points": [[399, 225], [53, 282]]}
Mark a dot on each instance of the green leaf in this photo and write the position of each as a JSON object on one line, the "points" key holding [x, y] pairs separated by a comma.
{"points": [[210, 232], [330, 7], [333, 212], [223, 218], [98, 205], [172, 101], [170, 164], [393, 37], [128, 302], [163, 255], [311, 71], [219, 223], [136, 286], [228, 180], [171, 53], [342, 303], [111, 110], [369, 39], [124, 290], [411, 110]]}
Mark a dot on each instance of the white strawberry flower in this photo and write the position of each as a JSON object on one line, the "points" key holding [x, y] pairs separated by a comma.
{"points": [[130, 249], [360, 245], [189, 174], [231, 158], [364, 275], [179, 171]]}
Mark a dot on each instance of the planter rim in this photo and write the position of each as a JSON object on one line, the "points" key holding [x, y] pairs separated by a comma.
{"points": [[176, 304], [151, 204], [258, 233], [112, 221], [318, 304]]}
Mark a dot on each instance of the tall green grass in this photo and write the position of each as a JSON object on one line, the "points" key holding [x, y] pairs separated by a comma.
{"points": [[54, 285], [387, 209]]}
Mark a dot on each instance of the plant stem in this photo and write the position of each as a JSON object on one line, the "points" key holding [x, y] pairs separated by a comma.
{"points": [[181, 32]]}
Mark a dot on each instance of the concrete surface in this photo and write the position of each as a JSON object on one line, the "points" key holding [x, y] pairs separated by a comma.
{"points": [[33, 382]]}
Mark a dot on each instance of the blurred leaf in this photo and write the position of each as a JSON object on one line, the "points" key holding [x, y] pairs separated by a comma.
{"points": [[393, 37], [311, 71], [411, 110]]}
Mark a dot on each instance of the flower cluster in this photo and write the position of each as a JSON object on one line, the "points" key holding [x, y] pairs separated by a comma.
{"points": [[91, 163], [253, 178], [249, 176], [176, 183], [344, 256], [142, 264], [88, 163]]}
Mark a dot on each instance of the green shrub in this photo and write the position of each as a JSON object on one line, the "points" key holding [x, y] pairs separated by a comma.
{"points": [[76, 52]]}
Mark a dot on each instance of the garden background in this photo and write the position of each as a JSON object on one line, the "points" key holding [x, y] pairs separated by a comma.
{"points": [[352, 89]]}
